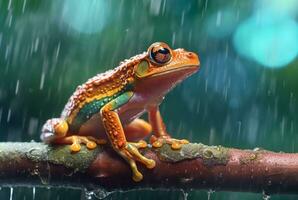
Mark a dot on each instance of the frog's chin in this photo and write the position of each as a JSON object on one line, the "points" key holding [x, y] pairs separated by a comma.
{"points": [[159, 84]]}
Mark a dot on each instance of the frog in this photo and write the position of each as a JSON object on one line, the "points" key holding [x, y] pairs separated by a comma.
{"points": [[109, 106]]}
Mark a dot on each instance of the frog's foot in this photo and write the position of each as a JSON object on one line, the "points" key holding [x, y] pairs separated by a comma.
{"points": [[53, 129], [130, 152], [76, 142], [159, 141]]}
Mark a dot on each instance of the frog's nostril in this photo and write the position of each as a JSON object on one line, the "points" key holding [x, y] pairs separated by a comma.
{"points": [[190, 55]]}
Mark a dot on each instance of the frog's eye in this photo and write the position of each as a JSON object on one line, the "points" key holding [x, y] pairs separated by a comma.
{"points": [[160, 53]]}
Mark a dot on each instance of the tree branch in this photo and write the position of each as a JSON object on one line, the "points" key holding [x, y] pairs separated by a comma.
{"points": [[195, 166]]}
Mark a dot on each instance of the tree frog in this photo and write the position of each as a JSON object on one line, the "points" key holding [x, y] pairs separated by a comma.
{"points": [[108, 106]]}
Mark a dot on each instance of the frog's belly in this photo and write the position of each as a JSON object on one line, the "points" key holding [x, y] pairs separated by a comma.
{"points": [[94, 126]]}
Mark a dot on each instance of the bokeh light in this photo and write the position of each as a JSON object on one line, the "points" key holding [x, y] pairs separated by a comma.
{"points": [[279, 8], [269, 41], [270, 36], [222, 23], [85, 16]]}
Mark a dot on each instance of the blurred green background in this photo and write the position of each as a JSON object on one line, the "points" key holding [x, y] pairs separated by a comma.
{"points": [[244, 96]]}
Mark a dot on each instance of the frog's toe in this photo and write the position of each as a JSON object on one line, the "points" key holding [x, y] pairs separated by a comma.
{"points": [[132, 149], [176, 144], [140, 145], [157, 144], [90, 142], [131, 154], [75, 147], [91, 145], [150, 164], [76, 142], [137, 176]]}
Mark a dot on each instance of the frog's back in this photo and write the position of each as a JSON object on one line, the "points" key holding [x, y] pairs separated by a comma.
{"points": [[90, 97], [94, 88]]}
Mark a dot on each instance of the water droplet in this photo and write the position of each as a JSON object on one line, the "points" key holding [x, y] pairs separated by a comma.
{"points": [[266, 196], [98, 194]]}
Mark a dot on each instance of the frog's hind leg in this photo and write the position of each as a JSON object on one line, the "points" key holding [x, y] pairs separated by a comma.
{"points": [[128, 150], [137, 129]]}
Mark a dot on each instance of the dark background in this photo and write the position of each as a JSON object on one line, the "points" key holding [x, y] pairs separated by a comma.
{"points": [[244, 96]]}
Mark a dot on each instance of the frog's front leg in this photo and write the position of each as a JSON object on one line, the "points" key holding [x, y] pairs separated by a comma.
{"points": [[128, 150], [159, 130], [55, 131]]}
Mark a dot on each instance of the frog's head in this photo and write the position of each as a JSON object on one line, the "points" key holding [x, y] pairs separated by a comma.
{"points": [[162, 68]]}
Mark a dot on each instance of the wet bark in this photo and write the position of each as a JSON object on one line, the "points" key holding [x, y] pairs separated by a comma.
{"points": [[195, 166]]}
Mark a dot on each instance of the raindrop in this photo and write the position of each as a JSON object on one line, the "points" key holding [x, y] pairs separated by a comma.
{"points": [[0, 39], [206, 5], [185, 194], [11, 193], [209, 193], [1, 111], [24, 6], [239, 127], [218, 18], [9, 5], [10, 20], [8, 115], [36, 44], [33, 125], [173, 39], [164, 6], [283, 123], [155, 7], [7, 51], [206, 85], [42, 81], [17, 87], [58, 50], [182, 18], [33, 193]]}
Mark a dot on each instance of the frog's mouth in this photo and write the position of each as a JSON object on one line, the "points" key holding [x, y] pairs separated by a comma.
{"points": [[182, 70]]}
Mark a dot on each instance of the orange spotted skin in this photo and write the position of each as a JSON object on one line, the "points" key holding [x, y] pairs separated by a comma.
{"points": [[108, 106]]}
